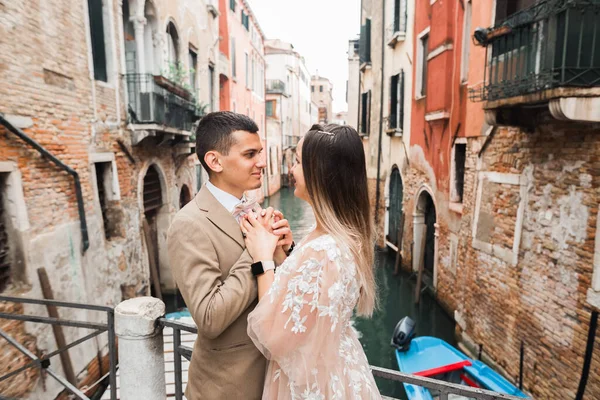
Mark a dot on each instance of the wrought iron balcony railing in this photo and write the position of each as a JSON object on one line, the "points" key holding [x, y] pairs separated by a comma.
{"points": [[151, 103], [555, 43], [276, 86]]}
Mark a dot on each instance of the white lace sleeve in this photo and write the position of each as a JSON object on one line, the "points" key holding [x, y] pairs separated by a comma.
{"points": [[292, 323]]}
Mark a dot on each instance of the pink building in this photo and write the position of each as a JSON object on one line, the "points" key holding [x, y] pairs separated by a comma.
{"points": [[242, 55]]}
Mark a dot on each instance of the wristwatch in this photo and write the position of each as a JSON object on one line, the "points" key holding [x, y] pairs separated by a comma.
{"points": [[260, 267], [289, 251]]}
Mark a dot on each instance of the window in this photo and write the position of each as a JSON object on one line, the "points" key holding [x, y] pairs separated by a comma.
{"points": [[247, 75], [253, 76], [5, 256], [270, 106], [396, 119], [245, 20], [98, 43], [365, 42], [459, 153], [193, 66], [211, 86], [312, 88], [172, 44], [423, 52], [233, 59], [107, 188], [466, 43], [506, 8], [321, 88], [232, 5], [365, 112], [400, 15]]}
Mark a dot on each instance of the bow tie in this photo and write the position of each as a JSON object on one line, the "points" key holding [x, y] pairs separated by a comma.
{"points": [[243, 208]]}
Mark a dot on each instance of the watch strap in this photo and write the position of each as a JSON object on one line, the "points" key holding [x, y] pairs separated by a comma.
{"points": [[260, 267]]}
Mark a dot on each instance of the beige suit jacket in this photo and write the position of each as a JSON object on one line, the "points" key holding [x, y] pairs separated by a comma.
{"points": [[211, 266]]}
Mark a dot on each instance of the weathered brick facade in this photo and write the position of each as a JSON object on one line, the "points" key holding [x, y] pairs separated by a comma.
{"points": [[542, 299], [48, 90]]}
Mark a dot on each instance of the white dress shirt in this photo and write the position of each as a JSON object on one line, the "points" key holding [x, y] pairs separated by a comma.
{"points": [[227, 200]]}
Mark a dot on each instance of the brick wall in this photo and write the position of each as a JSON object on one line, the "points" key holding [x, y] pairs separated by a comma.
{"points": [[542, 299]]}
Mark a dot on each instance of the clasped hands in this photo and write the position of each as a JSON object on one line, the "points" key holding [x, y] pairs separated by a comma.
{"points": [[267, 235]]}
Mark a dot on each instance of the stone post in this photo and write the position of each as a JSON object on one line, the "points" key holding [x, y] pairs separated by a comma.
{"points": [[141, 357]]}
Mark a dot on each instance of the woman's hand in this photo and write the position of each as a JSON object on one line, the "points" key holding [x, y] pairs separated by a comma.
{"points": [[260, 243]]}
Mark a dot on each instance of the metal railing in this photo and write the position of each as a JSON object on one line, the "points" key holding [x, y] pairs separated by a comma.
{"points": [[43, 363], [276, 86], [443, 388], [555, 43], [150, 103]]}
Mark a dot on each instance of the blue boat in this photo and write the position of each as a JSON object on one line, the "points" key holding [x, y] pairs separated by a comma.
{"points": [[434, 358]]}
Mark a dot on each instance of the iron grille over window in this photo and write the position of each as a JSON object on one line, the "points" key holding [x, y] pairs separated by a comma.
{"points": [[460, 153], [365, 112], [152, 190], [552, 44], [396, 119], [97, 36], [365, 42], [4, 249]]}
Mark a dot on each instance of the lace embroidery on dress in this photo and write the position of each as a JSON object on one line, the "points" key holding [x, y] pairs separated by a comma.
{"points": [[303, 325]]}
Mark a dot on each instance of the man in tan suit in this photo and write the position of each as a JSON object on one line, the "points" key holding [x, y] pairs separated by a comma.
{"points": [[211, 265]]}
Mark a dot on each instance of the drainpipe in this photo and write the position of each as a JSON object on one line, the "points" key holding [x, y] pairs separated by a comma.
{"points": [[587, 360], [359, 75], [46, 154], [377, 191]]}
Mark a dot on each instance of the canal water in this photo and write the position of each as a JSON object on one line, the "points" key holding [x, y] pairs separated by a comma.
{"points": [[396, 298]]}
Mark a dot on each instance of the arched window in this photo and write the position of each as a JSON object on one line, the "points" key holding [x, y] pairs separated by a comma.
{"points": [[172, 44]]}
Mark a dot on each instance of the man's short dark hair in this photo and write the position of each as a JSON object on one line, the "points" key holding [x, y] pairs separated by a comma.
{"points": [[215, 129]]}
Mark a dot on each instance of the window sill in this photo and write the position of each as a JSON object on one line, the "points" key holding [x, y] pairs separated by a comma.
{"points": [[364, 135], [456, 207], [593, 298], [364, 66], [394, 132], [396, 37], [417, 98], [105, 84]]}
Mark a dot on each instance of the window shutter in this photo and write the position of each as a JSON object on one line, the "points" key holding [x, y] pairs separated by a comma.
{"points": [[97, 35], [365, 42], [401, 105]]}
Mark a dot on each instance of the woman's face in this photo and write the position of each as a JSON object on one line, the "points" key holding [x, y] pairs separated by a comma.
{"points": [[300, 186]]}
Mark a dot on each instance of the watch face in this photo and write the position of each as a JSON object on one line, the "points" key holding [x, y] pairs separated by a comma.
{"points": [[257, 268]]}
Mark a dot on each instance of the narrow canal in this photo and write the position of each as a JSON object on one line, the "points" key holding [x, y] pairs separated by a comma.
{"points": [[396, 298]]}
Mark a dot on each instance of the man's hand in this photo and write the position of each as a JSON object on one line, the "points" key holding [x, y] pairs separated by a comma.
{"points": [[281, 228]]}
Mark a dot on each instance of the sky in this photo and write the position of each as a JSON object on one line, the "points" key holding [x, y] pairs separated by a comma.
{"points": [[319, 31]]}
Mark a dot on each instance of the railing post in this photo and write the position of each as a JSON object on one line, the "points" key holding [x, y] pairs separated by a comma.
{"points": [[141, 356]]}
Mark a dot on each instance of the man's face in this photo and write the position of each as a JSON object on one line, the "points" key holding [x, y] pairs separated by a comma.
{"points": [[242, 167]]}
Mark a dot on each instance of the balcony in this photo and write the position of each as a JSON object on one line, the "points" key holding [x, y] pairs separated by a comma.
{"points": [[548, 53], [159, 108], [275, 86]]}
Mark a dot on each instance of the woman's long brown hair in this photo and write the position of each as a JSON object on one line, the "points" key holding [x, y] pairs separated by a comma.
{"points": [[333, 163]]}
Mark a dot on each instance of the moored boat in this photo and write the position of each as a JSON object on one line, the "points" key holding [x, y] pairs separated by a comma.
{"points": [[434, 358]]}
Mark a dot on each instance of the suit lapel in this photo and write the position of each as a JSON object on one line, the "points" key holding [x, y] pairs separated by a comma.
{"points": [[219, 216]]}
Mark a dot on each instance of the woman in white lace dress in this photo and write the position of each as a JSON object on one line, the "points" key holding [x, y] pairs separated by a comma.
{"points": [[303, 321]]}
